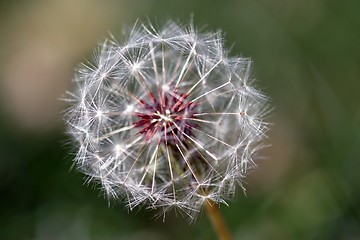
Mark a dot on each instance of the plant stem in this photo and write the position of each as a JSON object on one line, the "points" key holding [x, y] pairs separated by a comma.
{"points": [[217, 220]]}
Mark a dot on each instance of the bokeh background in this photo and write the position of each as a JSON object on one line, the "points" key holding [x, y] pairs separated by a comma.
{"points": [[306, 58]]}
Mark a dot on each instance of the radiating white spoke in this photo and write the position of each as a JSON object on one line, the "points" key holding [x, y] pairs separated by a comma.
{"points": [[147, 164], [188, 165], [217, 113], [170, 165], [196, 142], [185, 67], [129, 154], [152, 51], [200, 120], [143, 148], [203, 77], [123, 129], [163, 63], [208, 92], [154, 171], [216, 139], [208, 164]]}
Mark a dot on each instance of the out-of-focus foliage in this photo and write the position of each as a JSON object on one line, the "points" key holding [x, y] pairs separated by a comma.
{"points": [[306, 57]]}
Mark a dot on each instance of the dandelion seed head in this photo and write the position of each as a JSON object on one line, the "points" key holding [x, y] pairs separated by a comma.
{"points": [[165, 118]]}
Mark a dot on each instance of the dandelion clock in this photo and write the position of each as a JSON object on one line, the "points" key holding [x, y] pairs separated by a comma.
{"points": [[164, 118]]}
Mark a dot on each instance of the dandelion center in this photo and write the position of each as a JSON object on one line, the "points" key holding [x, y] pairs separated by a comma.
{"points": [[166, 115]]}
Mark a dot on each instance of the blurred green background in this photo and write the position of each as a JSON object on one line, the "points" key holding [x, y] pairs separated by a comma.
{"points": [[306, 58]]}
